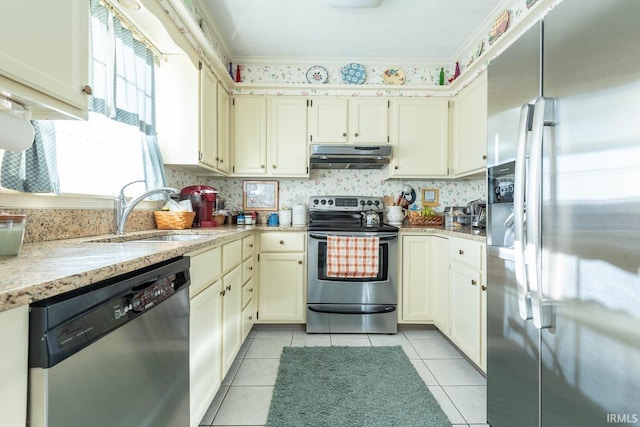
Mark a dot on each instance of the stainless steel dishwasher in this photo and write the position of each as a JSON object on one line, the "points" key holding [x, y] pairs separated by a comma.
{"points": [[113, 354]]}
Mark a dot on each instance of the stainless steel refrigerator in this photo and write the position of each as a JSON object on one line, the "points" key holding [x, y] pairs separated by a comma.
{"points": [[563, 219]]}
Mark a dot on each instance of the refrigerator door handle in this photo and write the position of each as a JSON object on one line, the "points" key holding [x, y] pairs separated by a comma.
{"points": [[519, 181], [543, 114]]}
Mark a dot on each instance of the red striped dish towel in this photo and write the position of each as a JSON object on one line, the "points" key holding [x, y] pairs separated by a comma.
{"points": [[356, 257]]}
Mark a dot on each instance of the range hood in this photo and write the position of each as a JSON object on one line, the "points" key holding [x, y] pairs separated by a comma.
{"points": [[349, 156]]}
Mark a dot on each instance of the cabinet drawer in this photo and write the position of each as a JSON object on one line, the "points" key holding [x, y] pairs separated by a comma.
{"points": [[248, 268], [466, 251], [231, 255], [248, 245], [206, 267], [247, 292], [282, 242]]}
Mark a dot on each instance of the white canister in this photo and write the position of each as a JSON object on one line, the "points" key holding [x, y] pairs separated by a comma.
{"points": [[299, 214], [284, 216]]}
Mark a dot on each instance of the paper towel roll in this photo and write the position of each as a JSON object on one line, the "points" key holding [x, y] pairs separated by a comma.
{"points": [[16, 134]]}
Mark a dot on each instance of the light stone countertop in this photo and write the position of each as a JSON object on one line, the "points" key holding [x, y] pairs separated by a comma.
{"points": [[43, 270]]}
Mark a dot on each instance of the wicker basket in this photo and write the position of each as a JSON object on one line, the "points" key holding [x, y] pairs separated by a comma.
{"points": [[173, 220], [425, 220]]}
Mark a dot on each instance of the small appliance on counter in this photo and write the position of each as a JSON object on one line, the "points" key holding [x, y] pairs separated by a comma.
{"points": [[477, 209], [203, 200]]}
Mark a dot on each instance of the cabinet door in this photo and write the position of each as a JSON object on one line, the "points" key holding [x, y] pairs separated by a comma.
{"points": [[206, 267], [418, 131], [223, 130], [282, 287], [249, 135], [287, 141], [440, 283], [465, 310], [416, 271], [328, 120], [483, 330], [231, 255], [44, 45], [205, 345], [14, 333], [231, 322], [208, 117], [369, 121], [248, 316], [469, 139]]}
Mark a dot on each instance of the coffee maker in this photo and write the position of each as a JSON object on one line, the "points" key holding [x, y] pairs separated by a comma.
{"points": [[203, 200]]}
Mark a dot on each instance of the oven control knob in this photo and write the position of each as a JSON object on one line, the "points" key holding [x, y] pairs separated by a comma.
{"points": [[362, 202], [376, 202], [330, 201], [323, 201], [315, 201], [369, 202]]}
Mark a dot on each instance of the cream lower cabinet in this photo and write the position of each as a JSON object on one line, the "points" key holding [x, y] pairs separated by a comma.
{"points": [[424, 280], [231, 321], [14, 334], [282, 265], [466, 287], [248, 285], [418, 130], [205, 331], [44, 55]]}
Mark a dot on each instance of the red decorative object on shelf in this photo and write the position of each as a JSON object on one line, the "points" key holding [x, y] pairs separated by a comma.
{"points": [[238, 78]]}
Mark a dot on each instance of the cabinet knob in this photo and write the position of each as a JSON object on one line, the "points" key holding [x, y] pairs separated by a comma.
{"points": [[396, 167], [221, 160], [217, 159], [483, 287], [229, 288], [484, 157], [222, 292], [261, 166], [473, 282], [87, 90], [251, 289], [251, 317], [273, 166], [250, 267], [355, 134], [250, 245], [300, 261], [282, 242], [344, 134], [460, 251]]}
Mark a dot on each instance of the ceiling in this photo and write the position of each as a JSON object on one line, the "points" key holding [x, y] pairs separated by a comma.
{"points": [[293, 30]]}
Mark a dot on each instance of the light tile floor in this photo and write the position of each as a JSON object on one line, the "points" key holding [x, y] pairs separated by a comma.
{"points": [[245, 394]]}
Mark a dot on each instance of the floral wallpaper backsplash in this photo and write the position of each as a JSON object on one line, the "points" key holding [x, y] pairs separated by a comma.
{"points": [[338, 182]]}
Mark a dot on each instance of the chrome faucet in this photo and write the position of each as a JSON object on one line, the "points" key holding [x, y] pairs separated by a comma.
{"points": [[123, 209]]}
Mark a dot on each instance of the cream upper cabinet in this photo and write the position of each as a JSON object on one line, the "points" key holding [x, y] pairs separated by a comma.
{"points": [[44, 55], [469, 129], [419, 138], [187, 116], [209, 117], [287, 148], [348, 120], [249, 135], [222, 157]]}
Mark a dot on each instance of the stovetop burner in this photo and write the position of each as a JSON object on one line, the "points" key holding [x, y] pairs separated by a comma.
{"points": [[346, 213]]}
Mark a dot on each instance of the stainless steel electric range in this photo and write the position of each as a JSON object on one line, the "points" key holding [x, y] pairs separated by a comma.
{"points": [[361, 304]]}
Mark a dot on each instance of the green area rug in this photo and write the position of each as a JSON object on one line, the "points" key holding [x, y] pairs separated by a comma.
{"points": [[351, 386]]}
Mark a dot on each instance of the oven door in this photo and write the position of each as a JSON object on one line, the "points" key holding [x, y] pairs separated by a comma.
{"points": [[381, 289]]}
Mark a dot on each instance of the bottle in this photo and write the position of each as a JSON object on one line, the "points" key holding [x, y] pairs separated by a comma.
{"points": [[442, 76], [238, 78], [231, 70], [240, 220], [457, 72]]}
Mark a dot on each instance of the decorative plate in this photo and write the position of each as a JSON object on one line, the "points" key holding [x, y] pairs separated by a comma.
{"points": [[317, 75], [354, 74], [499, 26], [393, 76]]}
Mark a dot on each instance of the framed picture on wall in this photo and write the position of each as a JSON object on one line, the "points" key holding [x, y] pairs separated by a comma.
{"points": [[260, 195], [430, 197]]}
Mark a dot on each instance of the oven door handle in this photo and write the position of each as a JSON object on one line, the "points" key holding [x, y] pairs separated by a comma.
{"points": [[324, 236], [352, 308]]}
